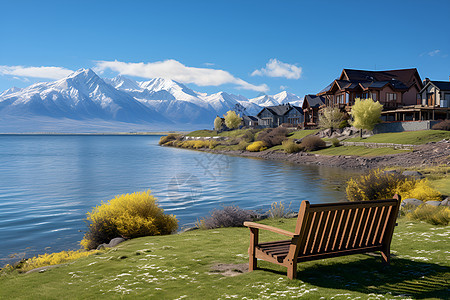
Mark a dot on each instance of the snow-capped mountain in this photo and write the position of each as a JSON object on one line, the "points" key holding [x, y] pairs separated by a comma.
{"points": [[280, 98], [84, 96], [81, 95]]}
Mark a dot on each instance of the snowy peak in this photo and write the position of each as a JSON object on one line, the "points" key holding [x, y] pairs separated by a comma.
{"points": [[10, 91], [280, 98], [123, 83]]}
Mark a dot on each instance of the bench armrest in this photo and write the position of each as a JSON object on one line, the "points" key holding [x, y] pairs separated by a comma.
{"points": [[270, 228]]}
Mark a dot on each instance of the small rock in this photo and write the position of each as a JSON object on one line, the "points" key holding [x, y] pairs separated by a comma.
{"points": [[411, 201], [445, 202], [116, 241], [433, 203], [413, 174]]}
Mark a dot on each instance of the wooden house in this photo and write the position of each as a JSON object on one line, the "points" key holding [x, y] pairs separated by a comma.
{"points": [[311, 107], [392, 88], [274, 116]]}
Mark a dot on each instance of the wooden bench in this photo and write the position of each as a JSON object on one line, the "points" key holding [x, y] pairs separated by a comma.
{"points": [[328, 230]]}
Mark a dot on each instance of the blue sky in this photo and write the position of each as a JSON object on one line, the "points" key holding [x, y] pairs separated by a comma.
{"points": [[242, 47]]}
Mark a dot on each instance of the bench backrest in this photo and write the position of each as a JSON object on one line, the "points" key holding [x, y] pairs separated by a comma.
{"points": [[342, 227]]}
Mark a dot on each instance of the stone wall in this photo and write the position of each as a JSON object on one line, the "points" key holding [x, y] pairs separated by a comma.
{"points": [[403, 126]]}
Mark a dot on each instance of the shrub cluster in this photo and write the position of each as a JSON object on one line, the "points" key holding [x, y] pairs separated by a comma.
{"points": [[256, 146], [130, 216], [312, 143], [436, 215], [290, 146], [335, 142], [168, 140], [196, 144], [278, 210], [443, 125], [272, 136], [228, 216], [382, 185], [43, 260]]}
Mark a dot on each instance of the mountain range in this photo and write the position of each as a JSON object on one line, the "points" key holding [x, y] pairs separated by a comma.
{"points": [[85, 98]]}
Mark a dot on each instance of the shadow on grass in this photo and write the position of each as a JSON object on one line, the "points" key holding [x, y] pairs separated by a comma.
{"points": [[403, 277]]}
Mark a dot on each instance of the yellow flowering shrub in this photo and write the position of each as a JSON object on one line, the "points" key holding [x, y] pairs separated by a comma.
{"points": [[43, 260], [419, 189], [197, 144], [381, 185], [129, 216], [256, 146]]}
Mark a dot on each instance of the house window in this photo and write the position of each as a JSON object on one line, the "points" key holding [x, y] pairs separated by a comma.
{"points": [[340, 99], [373, 96], [445, 102], [346, 98], [391, 97]]}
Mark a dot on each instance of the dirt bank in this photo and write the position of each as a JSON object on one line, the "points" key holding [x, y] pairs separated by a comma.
{"points": [[422, 155]]}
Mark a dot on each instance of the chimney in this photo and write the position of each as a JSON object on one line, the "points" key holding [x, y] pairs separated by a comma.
{"points": [[428, 80]]}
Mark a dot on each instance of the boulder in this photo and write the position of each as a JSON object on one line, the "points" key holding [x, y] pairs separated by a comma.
{"points": [[114, 242], [433, 203], [390, 172], [445, 202], [414, 174], [411, 201]]}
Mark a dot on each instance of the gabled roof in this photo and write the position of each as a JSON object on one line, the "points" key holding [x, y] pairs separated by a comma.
{"points": [[313, 101], [441, 85], [251, 118], [280, 110], [406, 76]]}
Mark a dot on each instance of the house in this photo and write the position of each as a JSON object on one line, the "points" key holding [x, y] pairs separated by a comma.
{"points": [[433, 103], [249, 121], [274, 116], [435, 93], [392, 88], [311, 106]]}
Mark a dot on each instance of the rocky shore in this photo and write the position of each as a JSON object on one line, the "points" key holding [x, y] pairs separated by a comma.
{"points": [[437, 153]]}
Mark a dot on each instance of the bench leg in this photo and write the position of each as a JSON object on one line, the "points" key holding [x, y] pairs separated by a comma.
{"points": [[292, 270], [386, 256], [252, 261]]}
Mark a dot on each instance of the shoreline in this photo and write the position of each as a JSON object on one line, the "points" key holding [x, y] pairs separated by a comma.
{"points": [[435, 153], [88, 133]]}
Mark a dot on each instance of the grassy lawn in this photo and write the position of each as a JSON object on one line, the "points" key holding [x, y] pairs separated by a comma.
{"points": [[408, 137], [179, 266], [358, 150], [299, 134]]}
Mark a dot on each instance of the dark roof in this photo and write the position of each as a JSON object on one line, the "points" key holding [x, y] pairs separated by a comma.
{"points": [[442, 85], [405, 76], [314, 101], [280, 110], [327, 88], [252, 118]]}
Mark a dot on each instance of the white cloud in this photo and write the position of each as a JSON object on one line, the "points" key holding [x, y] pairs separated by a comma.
{"points": [[208, 64], [276, 68], [283, 87], [434, 52], [36, 72], [177, 71]]}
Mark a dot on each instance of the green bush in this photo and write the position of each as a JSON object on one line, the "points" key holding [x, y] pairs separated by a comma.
{"points": [[290, 146], [243, 145], [312, 143], [256, 146], [129, 216], [344, 124], [335, 142], [436, 215]]}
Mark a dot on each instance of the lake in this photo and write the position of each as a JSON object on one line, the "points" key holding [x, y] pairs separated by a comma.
{"points": [[49, 182]]}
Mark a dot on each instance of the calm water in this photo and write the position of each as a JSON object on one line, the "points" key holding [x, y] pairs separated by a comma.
{"points": [[48, 183]]}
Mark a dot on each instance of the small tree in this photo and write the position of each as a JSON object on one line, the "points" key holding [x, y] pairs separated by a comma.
{"points": [[366, 114], [232, 120], [218, 123], [330, 117]]}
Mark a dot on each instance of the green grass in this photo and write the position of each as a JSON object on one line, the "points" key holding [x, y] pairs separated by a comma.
{"points": [[210, 133], [442, 185], [407, 137], [178, 266], [299, 134], [358, 150]]}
